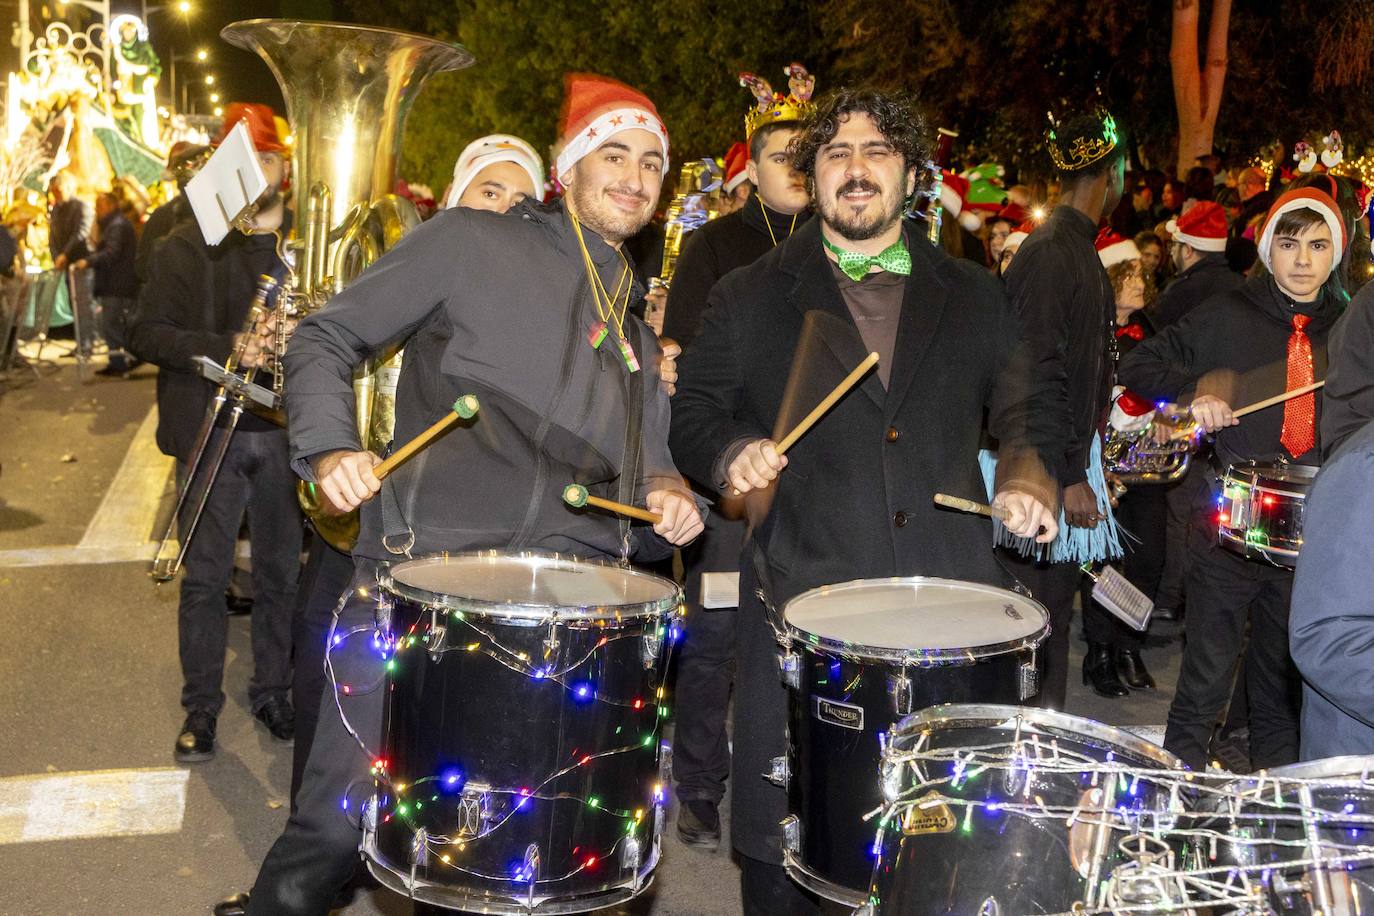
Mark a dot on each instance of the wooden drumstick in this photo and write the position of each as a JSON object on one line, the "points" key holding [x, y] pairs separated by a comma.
{"points": [[465, 408], [968, 505], [1277, 399], [827, 402], [576, 495]]}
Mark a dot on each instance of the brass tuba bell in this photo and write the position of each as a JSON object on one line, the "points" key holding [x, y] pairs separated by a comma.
{"points": [[348, 89]]}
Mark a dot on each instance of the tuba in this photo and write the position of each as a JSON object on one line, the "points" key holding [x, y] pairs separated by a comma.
{"points": [[1158, 453], [348, 90]]}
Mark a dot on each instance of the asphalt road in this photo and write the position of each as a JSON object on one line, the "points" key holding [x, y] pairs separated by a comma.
{"points": [[89, 668]]}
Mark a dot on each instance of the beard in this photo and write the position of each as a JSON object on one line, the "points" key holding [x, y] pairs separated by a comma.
{"points": [[604, 218], [858, 227]]}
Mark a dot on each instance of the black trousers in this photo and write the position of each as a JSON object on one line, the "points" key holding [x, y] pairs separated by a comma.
{"points": [[255, 478], [1225, 592], [1178, 501], [318, 851], [706, 669], [1054, 586], [1143, 513], [767, 891], [326, 577]]}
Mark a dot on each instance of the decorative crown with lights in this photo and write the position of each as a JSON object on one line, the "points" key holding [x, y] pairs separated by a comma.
{"points": [[773, 107], [1076, 153]]}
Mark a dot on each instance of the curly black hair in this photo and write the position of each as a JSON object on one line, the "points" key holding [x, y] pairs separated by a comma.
{"points": [[896, 114]]}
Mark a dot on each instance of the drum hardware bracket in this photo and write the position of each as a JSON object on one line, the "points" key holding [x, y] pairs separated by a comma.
{"points": [[653, 645], [790, 663], [530, 871], [791, 833], [1030, 679], [438, 636], [369, 818], [899, 688], [381, 614], [630, 858], [419, 851], [474, 811], [779, 772], [551, 642]]}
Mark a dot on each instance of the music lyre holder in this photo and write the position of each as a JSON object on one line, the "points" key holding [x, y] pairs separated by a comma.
{"points": [[236, 385]]}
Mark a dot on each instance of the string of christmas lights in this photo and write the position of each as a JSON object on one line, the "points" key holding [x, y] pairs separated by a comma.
{"points": [[404, 801]]}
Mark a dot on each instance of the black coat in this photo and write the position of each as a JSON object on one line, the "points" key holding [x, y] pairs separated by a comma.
{"points": [[856, 498], [69, 229], [113, 258], [713, 251], [159, 225], [1058, 287], [1207, 278], [1348, 398], [196, 300]]}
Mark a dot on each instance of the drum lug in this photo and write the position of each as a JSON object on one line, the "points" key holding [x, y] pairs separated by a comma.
{"points": [[1030, 678], [779, 772], [890, 779], [630, 858], [438, 636], [551, 642], [653, 646], [791, 833], [899, 688], [790, 663], [990, 907], [419, 848], [381, 613], [529, 872], [369, 819], [474, 811]]}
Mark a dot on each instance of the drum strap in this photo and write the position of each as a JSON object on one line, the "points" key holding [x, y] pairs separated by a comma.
{"points": [[630, 454]]}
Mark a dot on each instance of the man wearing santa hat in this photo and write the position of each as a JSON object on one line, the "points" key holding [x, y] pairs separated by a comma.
{"points": [[195, 303], [1198, 250], [780, 204], [1265, 337], [495, 173], [735, 186], [529, 311]]}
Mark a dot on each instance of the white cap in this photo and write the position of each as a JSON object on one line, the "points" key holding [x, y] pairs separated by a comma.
{"points": [[488, 150]]}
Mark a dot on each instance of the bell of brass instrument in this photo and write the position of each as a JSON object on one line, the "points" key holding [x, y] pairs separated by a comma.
{"points": [[348, 90], [690, 209], [1159, 453]]}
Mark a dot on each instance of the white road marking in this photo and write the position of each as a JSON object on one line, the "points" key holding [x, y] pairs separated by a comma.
{"points": [[76, 556], [99, 803]]}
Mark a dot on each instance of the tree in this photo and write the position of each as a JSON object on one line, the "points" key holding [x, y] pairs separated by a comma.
{"points": [[1197, 90]]}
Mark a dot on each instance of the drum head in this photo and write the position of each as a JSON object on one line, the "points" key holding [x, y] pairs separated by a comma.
{"points": [[920, 617], [541, 585]]}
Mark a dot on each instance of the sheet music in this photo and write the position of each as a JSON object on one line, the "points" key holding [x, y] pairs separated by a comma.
{"points": [[228, 185]]}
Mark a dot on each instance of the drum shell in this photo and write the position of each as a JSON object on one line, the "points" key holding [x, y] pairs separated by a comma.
{"points": [[464, 713], [834, 769], [1261, 511]]}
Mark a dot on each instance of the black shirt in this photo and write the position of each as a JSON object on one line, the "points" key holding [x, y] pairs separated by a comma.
{"points": [[1197, 284], [714, 250], [113, 258]]}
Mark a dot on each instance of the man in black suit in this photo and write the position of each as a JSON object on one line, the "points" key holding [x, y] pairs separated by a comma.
{"points": [[855, 500]]}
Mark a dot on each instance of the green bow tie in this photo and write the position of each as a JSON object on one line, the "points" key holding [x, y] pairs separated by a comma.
{"points": [[893, 259]]}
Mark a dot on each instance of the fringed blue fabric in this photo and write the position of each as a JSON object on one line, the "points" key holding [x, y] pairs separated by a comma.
{"points": [[1073, 545]]}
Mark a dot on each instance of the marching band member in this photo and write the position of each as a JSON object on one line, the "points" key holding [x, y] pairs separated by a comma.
{"points": [[701, 752], [1271, 333], [196, 302], [855, 498], [495, 173], [528, 311], [1061, 292]]}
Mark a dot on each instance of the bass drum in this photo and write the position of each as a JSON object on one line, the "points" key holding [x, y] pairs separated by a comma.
{"points": [[520, 769], [996, 811], [862, 655]]}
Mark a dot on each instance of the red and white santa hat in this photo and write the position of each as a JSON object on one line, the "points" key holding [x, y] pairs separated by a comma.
{"points": [[954, 198], [1202, 226], [1113, 248], [490, 150], [1304, 199], [1019, 234], [596, 108], [736, 166]]}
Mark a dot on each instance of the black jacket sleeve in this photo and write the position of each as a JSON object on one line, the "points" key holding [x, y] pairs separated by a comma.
{"points": [[114, 245], [708, 407], [698, 269], [1348, 398], [168, 326], [83, 218], [1164, 366]]}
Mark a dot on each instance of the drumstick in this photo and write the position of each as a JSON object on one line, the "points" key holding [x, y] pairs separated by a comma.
{"points": [[576, 495], [827, 402], [968, 505], [465, 408], [1277, 399]]}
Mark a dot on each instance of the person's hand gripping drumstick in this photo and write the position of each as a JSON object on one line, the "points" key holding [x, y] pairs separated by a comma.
{"points": [[350, 478], [758, 464], [673, 514], [1020, 513]]}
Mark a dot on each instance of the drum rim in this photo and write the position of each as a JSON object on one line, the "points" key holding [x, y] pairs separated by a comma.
{"points": [[1346, 766], [995, 714], [516, 610], [1255, 471], [953, 656]]}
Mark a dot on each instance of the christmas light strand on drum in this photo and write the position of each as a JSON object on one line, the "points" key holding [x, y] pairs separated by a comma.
{"points": [[460, 820], [1140, 837]]}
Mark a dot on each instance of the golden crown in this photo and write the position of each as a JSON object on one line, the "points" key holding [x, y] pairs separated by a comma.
{"points": [[773, 107], [1084, 151]]}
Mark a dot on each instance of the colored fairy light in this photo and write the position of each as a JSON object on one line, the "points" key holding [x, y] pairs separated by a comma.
{"points": [[391, 664], [345, 803], [594, 802], [591, 861], [638, 704], [648, 740], [993, 807], [967, 826]]}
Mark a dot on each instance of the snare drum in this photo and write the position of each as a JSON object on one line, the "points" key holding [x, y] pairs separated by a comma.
{"points": [[999, 811], [1261, 510], [860, 656], [519, 770]]}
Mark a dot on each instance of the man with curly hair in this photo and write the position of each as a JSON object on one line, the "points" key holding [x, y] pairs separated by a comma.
{"points": [[855, 499]]}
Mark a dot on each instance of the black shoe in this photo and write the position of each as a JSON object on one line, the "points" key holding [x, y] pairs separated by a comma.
{"points": [[1132, 669], [1099, 670], [1167, 612], [279, 718], [698, 824], [238, 605], [114, 369], [236, 905], [197, 739]]}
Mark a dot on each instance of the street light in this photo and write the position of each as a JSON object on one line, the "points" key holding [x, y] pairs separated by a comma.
{"points": [[214, 97], [202, 55], [210, 79], [219, 112]]}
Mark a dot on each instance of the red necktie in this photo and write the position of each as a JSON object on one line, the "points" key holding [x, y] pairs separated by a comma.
{"points": [[1300, 413]]}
